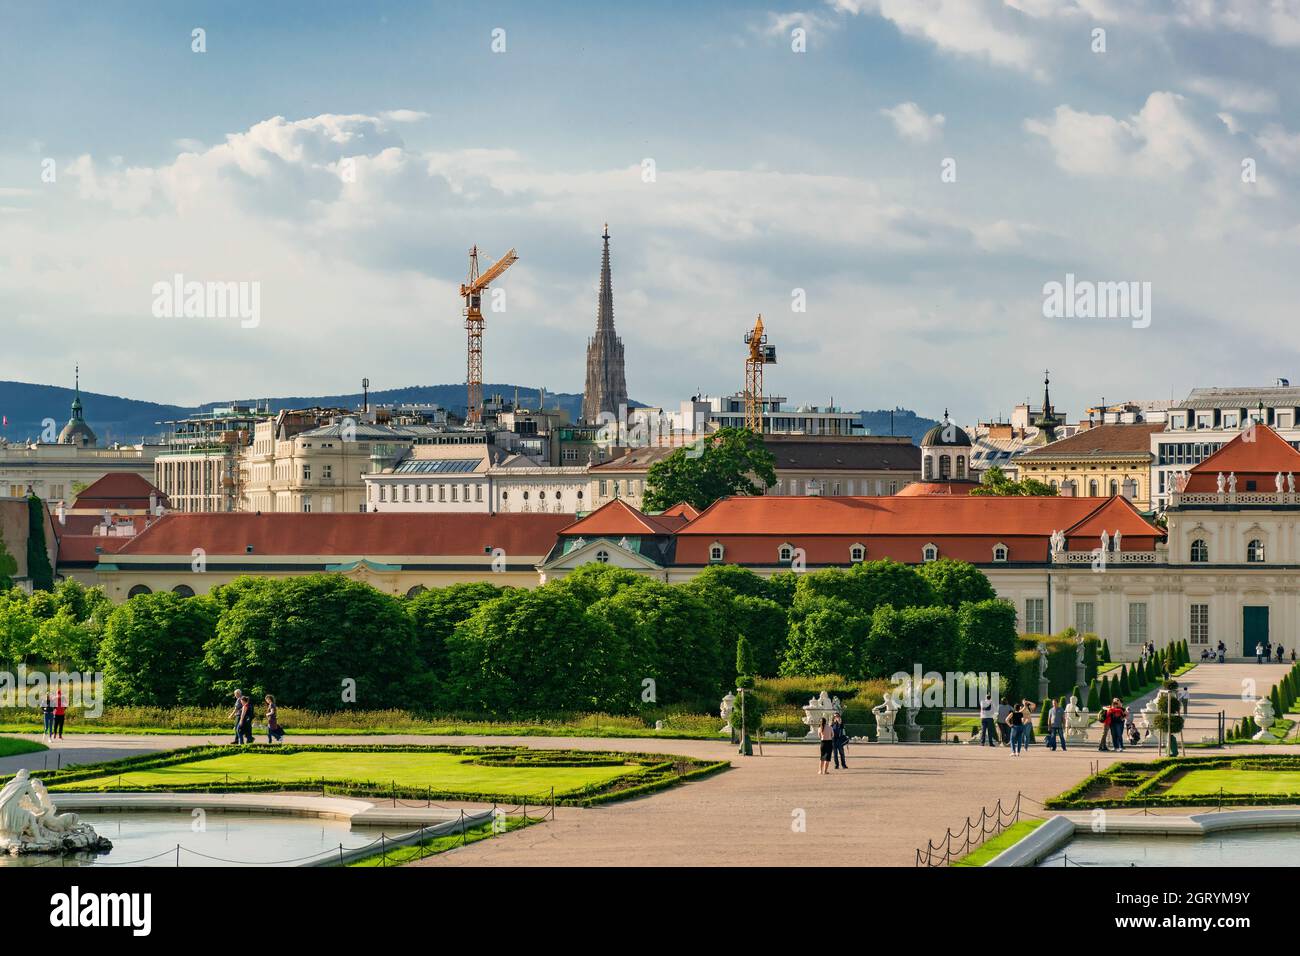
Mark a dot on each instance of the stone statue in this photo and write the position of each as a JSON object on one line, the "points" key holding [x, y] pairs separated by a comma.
{"points": [[886, 713], [1263, 718], [1277, 482], [1058, 541], [1115, 544], [1078, 652], [823, 705], [727, 708], [1105, 542], [1042, 661], [1219, 481], [1076, 721], [1232, 482], [29, 822]]}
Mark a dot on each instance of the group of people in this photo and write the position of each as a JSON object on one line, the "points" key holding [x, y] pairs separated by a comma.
{"points": [[1010, 724], [54, 709], [833, 737], [1221, 653], [242, 715], [1265, 651]]}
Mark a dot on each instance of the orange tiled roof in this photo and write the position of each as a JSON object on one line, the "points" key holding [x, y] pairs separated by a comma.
{"points": [[617, 517], [1257, 460], [1101, 441], [119, 492]]}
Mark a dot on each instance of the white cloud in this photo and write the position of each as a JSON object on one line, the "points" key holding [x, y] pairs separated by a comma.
{"points": [[913, 124], [1280, 145], [982, 28], [1233, 95]]}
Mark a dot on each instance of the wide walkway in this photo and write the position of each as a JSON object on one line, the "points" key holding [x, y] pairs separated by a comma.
{"points": [[772, 809]]}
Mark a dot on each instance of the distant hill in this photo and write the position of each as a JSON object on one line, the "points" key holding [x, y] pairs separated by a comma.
{"points": [[30, 408], [899, 421]]}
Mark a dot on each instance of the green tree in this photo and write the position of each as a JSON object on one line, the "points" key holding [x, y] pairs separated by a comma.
{"points": [[674, 640], [901, 639], [8, 564], [744, 660], [986, 634], [956, 582], [866, 586], [593, 581], [1094, 697], [994, 482], [152, 652], [65, 642], [732, 461], [538, 651], [39, 571], [437, 613], [17, 627], [827, 638], [319, 641]]}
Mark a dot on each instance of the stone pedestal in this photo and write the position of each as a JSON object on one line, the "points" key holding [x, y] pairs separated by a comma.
{"points": [[823, 705]]}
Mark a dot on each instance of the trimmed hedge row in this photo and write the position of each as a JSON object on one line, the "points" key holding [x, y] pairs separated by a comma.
{"points": [[1143, 778]]}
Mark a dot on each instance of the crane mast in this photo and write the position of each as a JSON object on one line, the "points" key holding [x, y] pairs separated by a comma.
{"points": [[760, 354], [472, 292]]}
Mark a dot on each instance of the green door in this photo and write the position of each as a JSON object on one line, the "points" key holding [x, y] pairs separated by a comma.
{"points": [[1254, 628]]}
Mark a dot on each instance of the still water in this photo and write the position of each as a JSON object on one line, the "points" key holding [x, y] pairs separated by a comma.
{"points": [[1242, 848], [150, 838]]}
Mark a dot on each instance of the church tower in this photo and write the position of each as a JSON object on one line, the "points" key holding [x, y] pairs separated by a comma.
{"points": [[606, 389]]}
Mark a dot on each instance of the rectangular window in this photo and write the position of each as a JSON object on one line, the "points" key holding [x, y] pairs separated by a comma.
{"points": [[478, 492], [442, 492], [306, 504], [1200, 624], [1085, 617], [327, 471], [1034, 623], [1137, 623], [1285, 419], [306, 472]]}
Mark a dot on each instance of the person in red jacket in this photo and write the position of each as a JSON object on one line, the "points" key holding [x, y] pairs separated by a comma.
{"points": [[60, 709]]}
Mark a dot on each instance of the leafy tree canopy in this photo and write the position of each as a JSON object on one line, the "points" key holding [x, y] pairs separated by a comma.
{"points": [[733, 461], [994, 482]]}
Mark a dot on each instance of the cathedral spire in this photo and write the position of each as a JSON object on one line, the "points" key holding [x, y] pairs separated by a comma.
{"points": [[606, 389]]}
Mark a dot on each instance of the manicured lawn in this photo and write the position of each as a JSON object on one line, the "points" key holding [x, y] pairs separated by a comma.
{"points": [[439, 772], [10, 746], [1210, 782], [995, 845], [396, 856]]}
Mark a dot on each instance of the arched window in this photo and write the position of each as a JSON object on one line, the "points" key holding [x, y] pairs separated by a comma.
{"points": [[1200, 551], [857, 553], [1255, 552], [602, 556], [1092, 488], [927, 467], [715, 552], [1053, 485], [1114, 487], [785, 553], [416, 591], [138, 590], [945, 467], [929, 553], [961, 466], [999, 552], [183, 590]]}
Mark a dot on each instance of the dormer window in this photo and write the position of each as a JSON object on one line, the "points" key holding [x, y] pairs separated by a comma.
{"points": [[785, 553], [715, 552], [857, 553], [930, 553], [1000, 553]]}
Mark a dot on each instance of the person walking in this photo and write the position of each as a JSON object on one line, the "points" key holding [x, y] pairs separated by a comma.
{"points": [[1117, 716], [988, 721], [246, 721], [274, 732], [1259, 653], [47, 711], [839, 737], [237, 715], [1015, 720], [1103, 717], [1279, 653], [1056, 725], [1027, 709], [60, 714], [827, 736]]}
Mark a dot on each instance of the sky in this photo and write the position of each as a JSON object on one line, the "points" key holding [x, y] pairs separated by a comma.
{"points": [[891, 183]]}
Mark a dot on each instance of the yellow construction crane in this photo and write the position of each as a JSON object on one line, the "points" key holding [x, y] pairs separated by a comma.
{"points": [[472, 293], [760, 354]]}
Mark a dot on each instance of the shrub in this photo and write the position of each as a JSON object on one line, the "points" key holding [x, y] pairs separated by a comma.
{"points": [[152, 651]]}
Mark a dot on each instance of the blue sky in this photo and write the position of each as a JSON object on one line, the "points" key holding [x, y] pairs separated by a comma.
{"points": [[775, 171]]}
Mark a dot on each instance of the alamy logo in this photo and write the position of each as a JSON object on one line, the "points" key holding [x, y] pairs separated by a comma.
{"points": [[1085, 299], [73, 909], [179, 299]]}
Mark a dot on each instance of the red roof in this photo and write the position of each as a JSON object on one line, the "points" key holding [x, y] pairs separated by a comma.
{"points": [[1256, 460], [916, 489], [124, 491], [617, 517], [751, 529], [349, 534]]}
